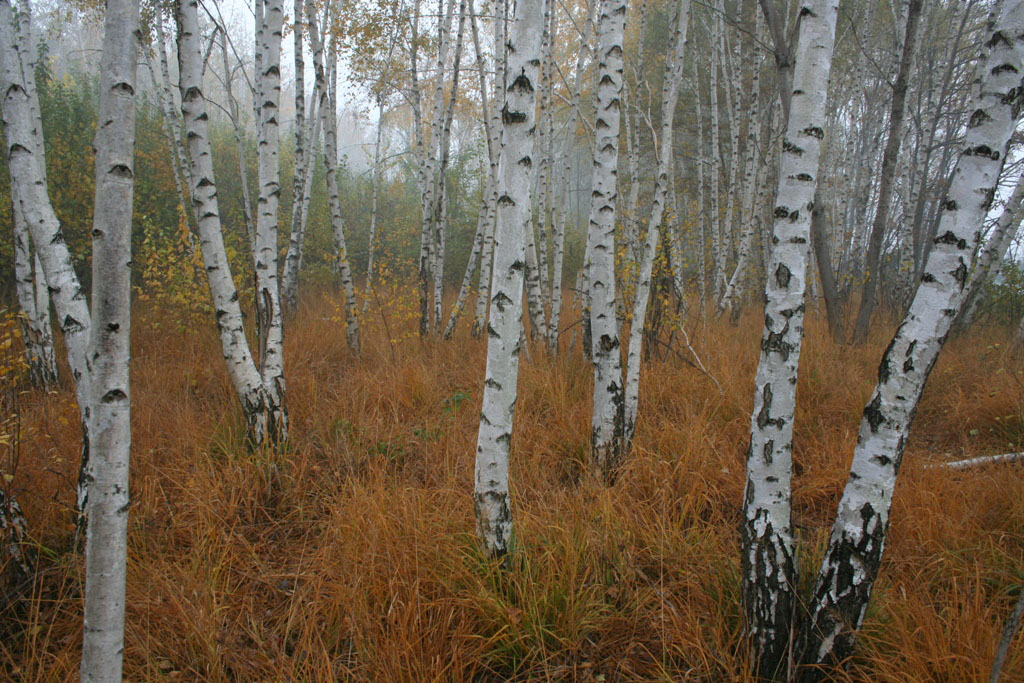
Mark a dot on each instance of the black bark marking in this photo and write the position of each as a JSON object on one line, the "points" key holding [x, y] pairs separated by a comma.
{"points": [[873, 413]]}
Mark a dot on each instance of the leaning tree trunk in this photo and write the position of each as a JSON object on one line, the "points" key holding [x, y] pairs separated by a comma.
{"points": [[329, 123], [872, 280], [30, 283], [290, 278], [565, 169], [28, 187], [257, 409], [106, 545], [494, 142], [854, 554], [515, 169], [269, 324], [606, 435], [488, 205], [669, 97], [987, 265], [768, 561]]}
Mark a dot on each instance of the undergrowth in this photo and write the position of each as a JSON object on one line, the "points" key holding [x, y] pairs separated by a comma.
{"points": [[350, 554]]}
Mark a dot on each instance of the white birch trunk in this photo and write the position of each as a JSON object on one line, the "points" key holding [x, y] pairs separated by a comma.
{"points": [[854, 553], [269, 325], [562, 209], [718, 252], [290, 277], [504, 332], [30, 283], [167, 102], [245, 377], [669, 98], [26, 166], [106, 545], [606, 435], [732, 298], [989, 261], [494, 142], [768, 560], [372, 243], [329, 123]]}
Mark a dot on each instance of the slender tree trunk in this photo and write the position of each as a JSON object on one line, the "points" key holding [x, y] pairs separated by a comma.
{"points": [[24, 152], [562, 209], [607, 430], [269, 324], [106, 546], [1009, 631], [989, 260], [236, 124], [290, 279], [669, 98], [372, 244], [257, 409], [850, 567], [768, 560], [515, 168], [872, 280], [167, 102], [494, 143]]}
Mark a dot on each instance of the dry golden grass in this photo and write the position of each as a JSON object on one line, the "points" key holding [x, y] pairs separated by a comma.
{"points": [[351, 556]]}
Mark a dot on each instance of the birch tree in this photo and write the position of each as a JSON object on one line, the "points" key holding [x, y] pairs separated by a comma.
{"points": [[850, 567], [25, 163], [607, 424], [269, 325], [29, 280], [892, 147], [262, 416], [669, 98], [515, 176], [768, 560], [106, 544]]}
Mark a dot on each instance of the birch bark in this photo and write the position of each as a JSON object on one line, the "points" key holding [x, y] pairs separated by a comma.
{"points": [[28, 187], [872, 280], [669, 98], [607, 424], [768, 560], [494, 143], [504, 331], [850, 567], [106, 545], [257, 410], [269, 324], [558, 246]]}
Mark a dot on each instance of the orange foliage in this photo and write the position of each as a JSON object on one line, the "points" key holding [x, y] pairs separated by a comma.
{"points": [[352, 556]]}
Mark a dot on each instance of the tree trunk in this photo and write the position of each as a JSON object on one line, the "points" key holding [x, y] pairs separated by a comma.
{"points": [[988, 263], [515, 168], [669, 98], [493, 145], [872, 281], [257, 409], [25, 161], [607, 430], [854, 553], [106, 545], [768, 560], [269, 325]]}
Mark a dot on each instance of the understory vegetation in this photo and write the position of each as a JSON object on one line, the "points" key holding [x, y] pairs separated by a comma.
{"points": [[350, 553]]}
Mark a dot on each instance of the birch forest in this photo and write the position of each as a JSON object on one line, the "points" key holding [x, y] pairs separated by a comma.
{"points": [[512, 340]]}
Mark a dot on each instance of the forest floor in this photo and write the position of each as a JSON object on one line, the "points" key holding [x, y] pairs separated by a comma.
{"points": [[351, 555]]}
